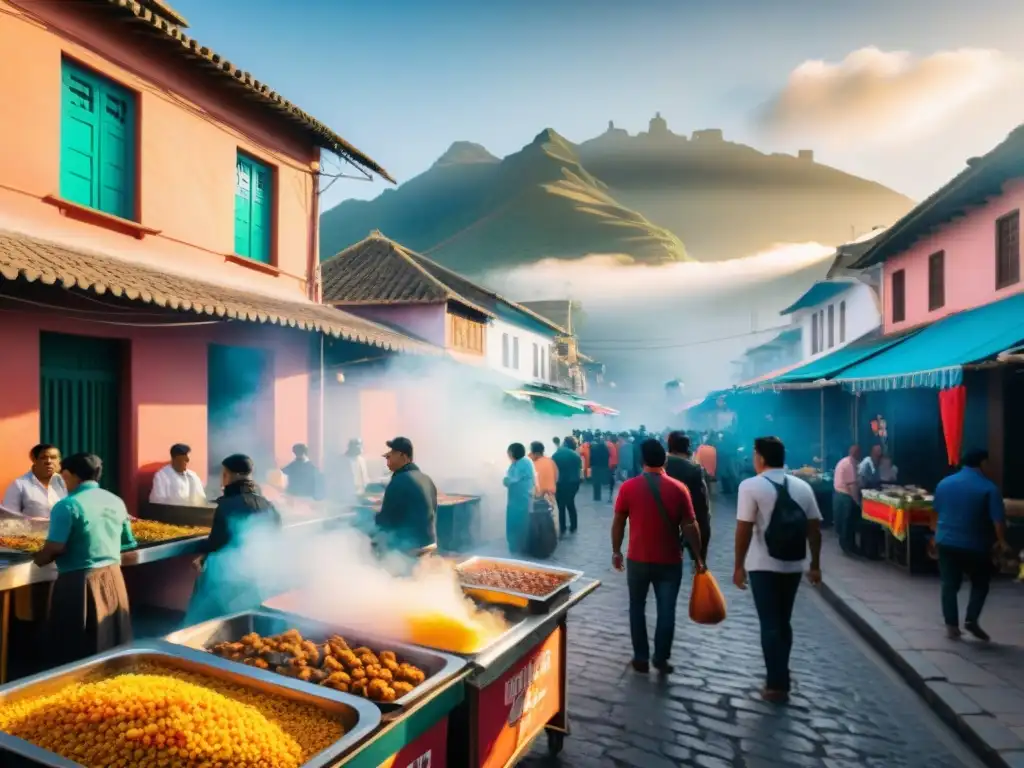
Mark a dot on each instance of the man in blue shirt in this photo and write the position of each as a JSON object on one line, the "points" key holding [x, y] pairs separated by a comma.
{"points": [[971, 518]]}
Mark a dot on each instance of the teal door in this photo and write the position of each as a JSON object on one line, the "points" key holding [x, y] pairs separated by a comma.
{"points": [[80, 399]]}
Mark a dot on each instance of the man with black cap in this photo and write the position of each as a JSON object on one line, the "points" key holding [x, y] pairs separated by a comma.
{"points": [[408, 513]]}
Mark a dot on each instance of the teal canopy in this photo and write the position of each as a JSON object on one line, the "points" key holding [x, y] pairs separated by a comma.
{"points": [[828, 366], [935, 355]]}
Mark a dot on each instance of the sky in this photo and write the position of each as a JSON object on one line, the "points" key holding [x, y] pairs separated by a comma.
{"points": [[888, 90]]}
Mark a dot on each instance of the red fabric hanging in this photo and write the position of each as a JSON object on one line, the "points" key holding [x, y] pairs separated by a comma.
{"points": [[952, 403]]}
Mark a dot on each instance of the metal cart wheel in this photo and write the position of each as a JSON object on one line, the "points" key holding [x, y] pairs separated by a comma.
{"points": [[556, 741]]}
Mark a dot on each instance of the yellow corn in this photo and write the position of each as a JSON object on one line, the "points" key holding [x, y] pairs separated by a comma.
{"points": [[149, 531], [162, 718]]}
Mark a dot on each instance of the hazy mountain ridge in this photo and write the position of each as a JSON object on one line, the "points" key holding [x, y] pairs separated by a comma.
{"points": [[640, 196]]}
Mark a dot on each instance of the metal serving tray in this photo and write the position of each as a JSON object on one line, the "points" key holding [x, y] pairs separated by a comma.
{"points": [[359, 717], [163, 550], [438, 667], [522, 599]]}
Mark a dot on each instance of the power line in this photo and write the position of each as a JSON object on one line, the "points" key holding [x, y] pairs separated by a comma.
{"points": [[587, 343]]}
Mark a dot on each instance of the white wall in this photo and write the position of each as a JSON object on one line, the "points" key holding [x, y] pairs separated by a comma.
{"points": [[497, 329], [863, 315]]}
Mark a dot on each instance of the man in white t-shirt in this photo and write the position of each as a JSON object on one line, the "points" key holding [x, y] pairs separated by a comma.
{"points": [[775, 581], [176, 484]]}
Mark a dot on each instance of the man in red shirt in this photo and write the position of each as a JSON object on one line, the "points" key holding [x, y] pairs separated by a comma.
{"points": [[660, 514]]}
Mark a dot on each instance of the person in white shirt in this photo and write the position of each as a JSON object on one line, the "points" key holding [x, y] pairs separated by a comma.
{"points": [[34, 493], [773, 558], [177, 484], [357, 466]]}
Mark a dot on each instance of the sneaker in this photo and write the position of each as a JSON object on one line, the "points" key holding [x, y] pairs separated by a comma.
{"points": [[952, 632], [664, 667], [640, 666], [978, 632]]}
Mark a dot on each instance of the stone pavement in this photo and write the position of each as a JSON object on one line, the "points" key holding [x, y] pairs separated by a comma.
{"points": [[977, 688], [848, 710]]}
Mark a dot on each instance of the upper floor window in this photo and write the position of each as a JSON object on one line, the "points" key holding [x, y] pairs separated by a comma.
{"points": [[1008, 250], [515, 352], [536, 361], [466, 335], [842, 322], [505, 350], [814, 333], [899, 296], [97, 142], [936, 281], [253, 207], [831, 325]]}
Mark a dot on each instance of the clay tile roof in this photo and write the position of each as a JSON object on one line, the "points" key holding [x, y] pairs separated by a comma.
{"points": [[27, 258], [166, 32], [377, 270]]}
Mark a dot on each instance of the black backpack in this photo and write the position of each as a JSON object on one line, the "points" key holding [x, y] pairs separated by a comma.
{"points": [[786, 535]]}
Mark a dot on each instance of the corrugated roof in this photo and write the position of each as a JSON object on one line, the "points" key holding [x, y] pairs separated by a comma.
{"points": [[31, 259], [785, 338], [378, 270], [165, 32], [983, 178], [817, 294]]}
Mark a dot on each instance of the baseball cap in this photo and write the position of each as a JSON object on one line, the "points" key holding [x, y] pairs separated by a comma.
{"points": [[402, 445]]}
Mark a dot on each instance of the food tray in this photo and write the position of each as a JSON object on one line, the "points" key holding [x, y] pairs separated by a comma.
{"points": [[511, 597], [359, 717], [438, 667]]}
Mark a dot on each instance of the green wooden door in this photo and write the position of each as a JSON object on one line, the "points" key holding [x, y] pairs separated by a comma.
{"points": [[80, 398]]}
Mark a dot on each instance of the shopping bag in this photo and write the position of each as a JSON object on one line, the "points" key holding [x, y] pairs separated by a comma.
{"points": [[542, 536], [707, 603]]}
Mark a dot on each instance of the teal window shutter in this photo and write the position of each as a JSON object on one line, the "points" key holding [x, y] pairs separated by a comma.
{"points": [[253, 208], [97, 161]]}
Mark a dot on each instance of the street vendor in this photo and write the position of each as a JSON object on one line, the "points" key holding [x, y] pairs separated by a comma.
{"points": [[36, 492], [177, 485], [869, 471], [846, 501], [303, 476], [224, 586], [88, 530], [407, 518]]}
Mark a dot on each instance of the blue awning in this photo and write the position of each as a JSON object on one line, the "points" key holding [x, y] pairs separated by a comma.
{"points": [[828, 366], [935, 355], [817, 294]]}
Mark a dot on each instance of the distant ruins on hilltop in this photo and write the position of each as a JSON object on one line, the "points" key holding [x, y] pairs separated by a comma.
{"points": [[658, 130]]}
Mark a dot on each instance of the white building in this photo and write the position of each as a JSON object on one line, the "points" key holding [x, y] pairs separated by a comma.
{"points": [[833, 313]]}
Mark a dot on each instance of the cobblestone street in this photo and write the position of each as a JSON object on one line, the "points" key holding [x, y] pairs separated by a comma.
{"points": [[848, 708]]}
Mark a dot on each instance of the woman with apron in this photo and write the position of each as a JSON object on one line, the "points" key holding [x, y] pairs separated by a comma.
{"points": [[88, 530], [225, 584]]}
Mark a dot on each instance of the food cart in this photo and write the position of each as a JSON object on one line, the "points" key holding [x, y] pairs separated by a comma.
{"points": [[458, 519], [907, 516]]}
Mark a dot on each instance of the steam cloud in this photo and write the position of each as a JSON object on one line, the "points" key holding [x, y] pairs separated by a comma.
{"points": [[876, 96]]}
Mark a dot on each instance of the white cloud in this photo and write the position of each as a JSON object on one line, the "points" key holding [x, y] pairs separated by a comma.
{"points": [[887, 98]]}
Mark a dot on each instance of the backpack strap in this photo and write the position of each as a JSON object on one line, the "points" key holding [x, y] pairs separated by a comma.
{"points": [[652, 483]]}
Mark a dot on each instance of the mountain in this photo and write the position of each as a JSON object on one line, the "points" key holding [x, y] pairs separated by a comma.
{"points": [[641, 197], [539, 202]]}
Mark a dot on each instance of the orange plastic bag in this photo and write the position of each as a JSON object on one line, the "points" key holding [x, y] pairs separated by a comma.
{"points": [[707, 603]]}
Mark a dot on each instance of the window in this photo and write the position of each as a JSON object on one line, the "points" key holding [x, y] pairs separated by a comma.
{"points": [[504, 350], [899, 296], [1008, 250], [515, 352], [936, 281], [466, 335], [842, 322], [831, 325], [253, 206], [814, 333], [536, 361], [97, 142]]}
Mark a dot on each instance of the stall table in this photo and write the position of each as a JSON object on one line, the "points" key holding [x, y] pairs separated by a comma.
{"points": [[908, 525], [458, 519]]}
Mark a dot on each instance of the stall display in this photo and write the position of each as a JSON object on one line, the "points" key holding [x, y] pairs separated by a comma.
{"points": [[23, 536], [190, 709], [458, 518], [821, 484], [900, 511]]}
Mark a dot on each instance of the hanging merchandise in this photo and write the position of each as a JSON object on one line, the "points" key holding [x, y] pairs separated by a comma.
{"points": [[952, 404]]}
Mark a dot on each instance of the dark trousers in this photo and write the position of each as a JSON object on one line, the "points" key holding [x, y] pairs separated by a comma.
{"points": [[954, 564], [665, 579], [598, 477], [613, 473], [847, 521], [565, 498], [774, 596]]}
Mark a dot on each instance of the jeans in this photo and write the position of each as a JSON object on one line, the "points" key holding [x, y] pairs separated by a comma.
{"points": [[847, 521], [774, 596], [598, 477], [665, 580], [954, 564], [565, 498]]}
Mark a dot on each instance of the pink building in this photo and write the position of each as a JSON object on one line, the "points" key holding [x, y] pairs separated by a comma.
{"points": [[158, 246]]}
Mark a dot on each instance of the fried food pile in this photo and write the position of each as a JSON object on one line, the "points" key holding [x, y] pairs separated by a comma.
{"points": [[333, 664], [22, 536], [151, 531], [156, 716], [500, 576]]}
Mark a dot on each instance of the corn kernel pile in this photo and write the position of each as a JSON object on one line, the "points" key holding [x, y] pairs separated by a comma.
{"points": [[150, 531], [22, 536], [157, 717]]}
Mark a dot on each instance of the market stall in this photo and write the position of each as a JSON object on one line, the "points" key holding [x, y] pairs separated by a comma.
{"points": [[458, 519], [907, 517], [821, 484]]}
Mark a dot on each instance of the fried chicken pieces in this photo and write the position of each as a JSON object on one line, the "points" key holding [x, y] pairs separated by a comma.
{"points": [[333, 664]]}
